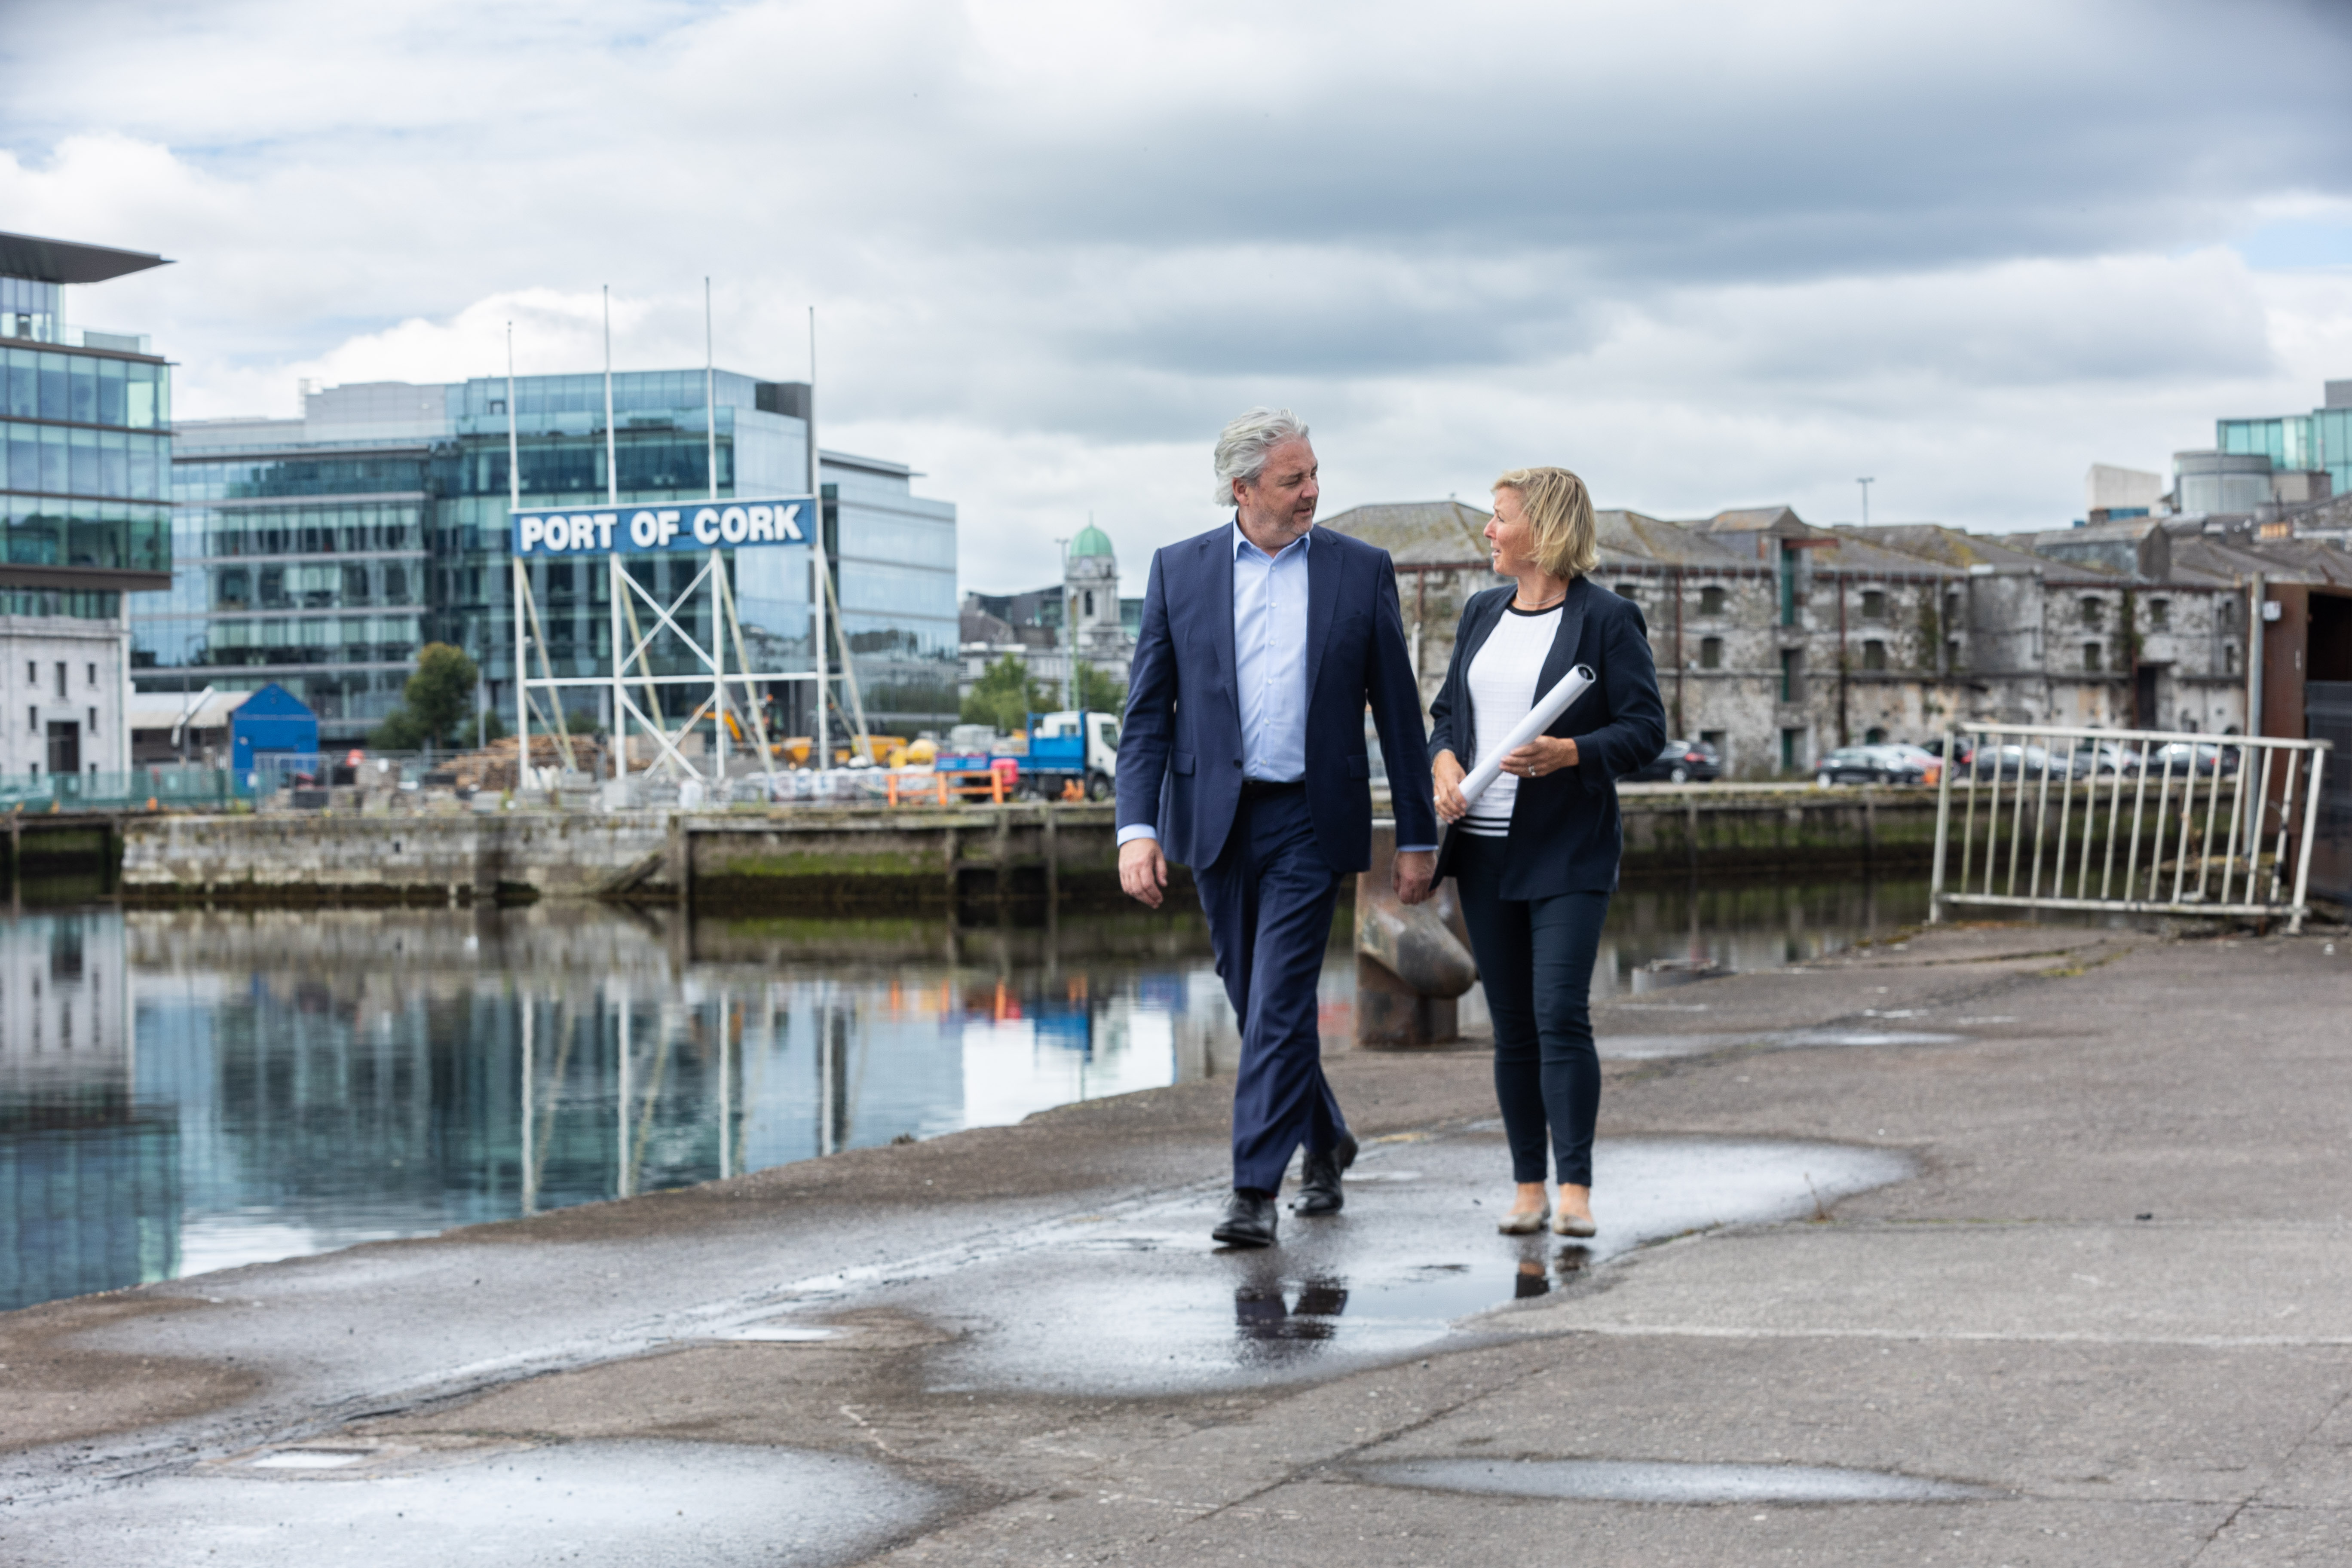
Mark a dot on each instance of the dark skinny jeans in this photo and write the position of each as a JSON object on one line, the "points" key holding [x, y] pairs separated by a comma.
{"points": [[1535, 959]]}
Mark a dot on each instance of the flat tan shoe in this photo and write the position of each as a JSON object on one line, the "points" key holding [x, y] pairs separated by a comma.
{"points": [[1566, 1223], [1527, 1222]]}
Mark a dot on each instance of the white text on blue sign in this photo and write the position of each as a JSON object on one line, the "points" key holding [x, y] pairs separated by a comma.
{"points": [[713, 525]]}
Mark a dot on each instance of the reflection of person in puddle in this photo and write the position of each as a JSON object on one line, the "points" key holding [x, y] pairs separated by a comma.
{"points": [[1243, 756], [1535, 856], [1287, 1328]]}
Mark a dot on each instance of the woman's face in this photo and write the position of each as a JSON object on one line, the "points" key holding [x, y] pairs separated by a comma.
{"points": [[1509, 536]]}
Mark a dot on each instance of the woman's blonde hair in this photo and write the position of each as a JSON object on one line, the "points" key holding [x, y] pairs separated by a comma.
{"points": [[1558, 511]]}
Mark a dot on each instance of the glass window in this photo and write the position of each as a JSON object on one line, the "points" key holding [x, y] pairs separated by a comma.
{"points": [[36, 539], [54, 460], [24, 457], [112, 383], [139, 397], [2093, 613], [1710, 600], [2091, 656], [84, 373], [94, 542], [1874, 655], [56, 401], [114, 462], [24, 384], [1710, 653], [1874, 604], [145, 454], [81, 479]]}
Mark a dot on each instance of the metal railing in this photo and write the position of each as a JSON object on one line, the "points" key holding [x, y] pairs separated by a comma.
{"points": [[2128, 822], [165, 786]]}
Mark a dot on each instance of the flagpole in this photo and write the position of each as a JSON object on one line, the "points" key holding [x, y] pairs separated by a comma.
{"points": [[820, 586], [718, 562], [514, 504]]}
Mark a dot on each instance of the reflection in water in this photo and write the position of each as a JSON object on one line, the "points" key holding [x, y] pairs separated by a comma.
{"points": [[1282, 1320], [184, 1091]]}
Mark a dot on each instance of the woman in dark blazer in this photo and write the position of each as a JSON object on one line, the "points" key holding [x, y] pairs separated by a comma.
{"points": [[1535, 857]]}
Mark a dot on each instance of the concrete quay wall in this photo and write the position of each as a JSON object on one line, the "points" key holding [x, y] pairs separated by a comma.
{"points": [[332, 859], [1670, 829], [829, 859]]}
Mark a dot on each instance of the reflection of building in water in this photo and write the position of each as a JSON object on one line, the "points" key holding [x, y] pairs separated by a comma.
{"points": [[305, 1081], [88, 1180]]}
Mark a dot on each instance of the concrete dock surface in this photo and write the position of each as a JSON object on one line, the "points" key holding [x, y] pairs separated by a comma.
{"points": [[1996, 1245]]}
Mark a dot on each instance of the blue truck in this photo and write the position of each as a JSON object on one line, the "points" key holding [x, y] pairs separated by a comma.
{"points": [[1075, 744]]}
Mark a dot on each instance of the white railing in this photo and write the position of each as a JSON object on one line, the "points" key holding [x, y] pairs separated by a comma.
{"points": [[2128, 822]]}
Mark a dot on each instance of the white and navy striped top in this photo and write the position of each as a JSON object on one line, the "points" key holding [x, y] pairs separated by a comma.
{"points": [[1502, 684]]}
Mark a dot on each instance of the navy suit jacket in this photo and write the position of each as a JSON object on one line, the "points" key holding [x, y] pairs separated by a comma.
{"points": [[1566, 834], [1180, 749]]}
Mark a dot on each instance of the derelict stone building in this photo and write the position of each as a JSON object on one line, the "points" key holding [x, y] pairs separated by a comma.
{"points": [[1778, 641]]}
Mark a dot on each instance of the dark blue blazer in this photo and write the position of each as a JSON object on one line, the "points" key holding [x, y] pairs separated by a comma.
{"points": [[1180, 749], [1566, 834]]}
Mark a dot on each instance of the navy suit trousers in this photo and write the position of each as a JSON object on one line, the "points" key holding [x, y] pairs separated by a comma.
{"points": [[1269, 896]]}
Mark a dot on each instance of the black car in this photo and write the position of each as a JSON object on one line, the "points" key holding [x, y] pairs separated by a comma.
{"points": [[1683, 762], [1866, 764]]}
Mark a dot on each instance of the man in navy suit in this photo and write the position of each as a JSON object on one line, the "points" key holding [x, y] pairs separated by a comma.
{"points": [[1242, 757]]}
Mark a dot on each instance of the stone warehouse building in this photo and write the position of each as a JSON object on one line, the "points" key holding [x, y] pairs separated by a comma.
{"points": [[1778, 641]]}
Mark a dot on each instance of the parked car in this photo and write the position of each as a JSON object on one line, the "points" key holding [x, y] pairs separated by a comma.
{"points": [[1917, 760], [2009, 762], [2203, 759], [1864, 765], [2100, 759], [1963, 749], [1683, 762]]}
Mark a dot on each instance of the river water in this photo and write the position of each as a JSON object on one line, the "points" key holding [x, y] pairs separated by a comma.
{"points": [[187, 1092]]}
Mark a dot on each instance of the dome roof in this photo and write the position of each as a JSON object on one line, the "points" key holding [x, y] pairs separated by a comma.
{"points": [[1091, 540]]}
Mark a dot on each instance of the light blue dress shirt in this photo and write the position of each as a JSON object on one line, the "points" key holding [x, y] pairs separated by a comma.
{"points": [[1270, 657], [1269, 664]]}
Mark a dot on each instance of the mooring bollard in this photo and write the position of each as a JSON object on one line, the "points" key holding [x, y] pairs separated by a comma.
{"points": [[1412, 960]]}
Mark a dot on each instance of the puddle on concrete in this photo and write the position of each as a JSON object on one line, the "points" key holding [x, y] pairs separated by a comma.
{"points": [[1643, 1047], [311, 1458], [581, 1504], [1624, 1481], [1154, 1307]]}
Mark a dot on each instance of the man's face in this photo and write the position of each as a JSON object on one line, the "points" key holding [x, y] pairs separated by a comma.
{"points": [[1281, 500]]}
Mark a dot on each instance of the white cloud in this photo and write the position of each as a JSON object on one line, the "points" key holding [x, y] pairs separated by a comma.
{"points": [[1711, 254]]}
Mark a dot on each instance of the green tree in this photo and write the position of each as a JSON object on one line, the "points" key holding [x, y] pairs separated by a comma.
{"points": [[1097, 691], [1005, 695], [437, 704]]}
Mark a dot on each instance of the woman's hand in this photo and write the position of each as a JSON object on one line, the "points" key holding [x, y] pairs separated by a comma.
{"points": [[1544, 754], [1446, 772]]}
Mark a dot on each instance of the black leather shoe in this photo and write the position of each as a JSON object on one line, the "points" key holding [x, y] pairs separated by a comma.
{"points": [[1249, 1220], [1318, 1180]]}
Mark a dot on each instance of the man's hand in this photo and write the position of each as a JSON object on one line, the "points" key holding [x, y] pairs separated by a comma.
{"points": [[1410, 874], [1445, 772], [1143, 870]]}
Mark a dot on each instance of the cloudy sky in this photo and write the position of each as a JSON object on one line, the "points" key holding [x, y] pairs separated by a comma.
{"points": [[1709, 255]]}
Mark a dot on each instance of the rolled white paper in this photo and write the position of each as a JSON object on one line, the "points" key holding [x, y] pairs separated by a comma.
{"points": [[1556, 701]]}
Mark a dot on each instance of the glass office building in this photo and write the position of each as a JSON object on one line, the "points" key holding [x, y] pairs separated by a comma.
{"points": [[85, 466], [2319, 439], [294, 562], [321, 553]]}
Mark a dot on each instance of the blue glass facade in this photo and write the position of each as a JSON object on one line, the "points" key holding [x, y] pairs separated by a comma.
{"points": [[295, 567], [84, 458], [325, 567], [2320, 439]]}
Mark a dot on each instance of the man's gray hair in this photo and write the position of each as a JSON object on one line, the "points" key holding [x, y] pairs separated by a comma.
{"points": [[1243, 446]]}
